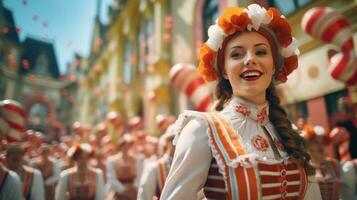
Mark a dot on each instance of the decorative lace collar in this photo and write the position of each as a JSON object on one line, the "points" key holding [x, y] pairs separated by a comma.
{"points": [[258, 113]]}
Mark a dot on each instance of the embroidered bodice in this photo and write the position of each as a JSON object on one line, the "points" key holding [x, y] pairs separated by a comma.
{"points": [[240, 159]]}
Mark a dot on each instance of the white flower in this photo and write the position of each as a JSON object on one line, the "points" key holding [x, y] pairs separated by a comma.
{"points": [[319, 130], [258, 16], [292, 49], [215, 37]]}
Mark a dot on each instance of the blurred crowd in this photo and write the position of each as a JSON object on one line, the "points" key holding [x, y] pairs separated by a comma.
{"points": [[116, 159], [119, 159]]}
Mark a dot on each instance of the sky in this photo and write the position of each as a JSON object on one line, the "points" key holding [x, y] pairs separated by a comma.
{"points": [[68, 24]]}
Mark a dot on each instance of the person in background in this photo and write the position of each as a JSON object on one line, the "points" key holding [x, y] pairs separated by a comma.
{"points": [[10, 183], [350, 171], [50, 170], [122, 171], [80, 182], [329, 174], [31, 179], [154, 174]]}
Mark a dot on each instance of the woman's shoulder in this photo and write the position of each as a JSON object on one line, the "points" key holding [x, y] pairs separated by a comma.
{"points": [[193, 122], [67, 172]]}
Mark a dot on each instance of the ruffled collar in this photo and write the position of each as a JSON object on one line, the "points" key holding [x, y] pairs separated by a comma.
{"points": [[258, 113]]}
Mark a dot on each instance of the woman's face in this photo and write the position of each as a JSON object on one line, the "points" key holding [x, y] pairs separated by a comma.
{"points": [[82, 159], [249, 66], [317, 146]]}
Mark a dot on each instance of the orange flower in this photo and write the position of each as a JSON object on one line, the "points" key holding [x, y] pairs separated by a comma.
{"points": [[274, 13], [230, 20], [241, 21], [206, 66]]}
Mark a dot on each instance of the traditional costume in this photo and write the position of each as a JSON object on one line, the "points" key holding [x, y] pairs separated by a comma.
{"points": [[74, 184], [153, 178], [231, 157], [10, 185], [122, 173], [329, 174], [32, 184], [236, 153], [50, 171]]}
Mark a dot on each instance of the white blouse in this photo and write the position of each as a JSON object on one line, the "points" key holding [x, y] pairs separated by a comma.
{"points": [[63, 184], [193, 154]]}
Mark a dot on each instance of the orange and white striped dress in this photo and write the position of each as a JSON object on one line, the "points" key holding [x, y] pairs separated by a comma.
{"points": [[232, 154]]}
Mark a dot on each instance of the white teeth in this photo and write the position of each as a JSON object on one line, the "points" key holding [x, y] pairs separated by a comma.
{"points": [[250, 74]]}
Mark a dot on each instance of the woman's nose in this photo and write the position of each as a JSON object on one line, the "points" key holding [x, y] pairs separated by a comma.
{"points": [[250, 59]]}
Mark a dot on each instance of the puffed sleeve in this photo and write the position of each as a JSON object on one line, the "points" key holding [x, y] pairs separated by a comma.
{"points": [[55, 176], [99, 192], [62, 187], [313, 190], [113, 182], [191, 162], [37, 188], [12, 188], [148, 182]]}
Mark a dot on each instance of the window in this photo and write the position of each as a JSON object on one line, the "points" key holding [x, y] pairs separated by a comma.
{"points": [[146, 44], [38, 114], [335, 102], [287, 7], [42, 65], [210, 14], [127, 63]]}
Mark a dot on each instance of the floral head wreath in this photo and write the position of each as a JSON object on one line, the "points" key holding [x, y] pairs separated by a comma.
{"points": [[78, 148], [252, 18]]}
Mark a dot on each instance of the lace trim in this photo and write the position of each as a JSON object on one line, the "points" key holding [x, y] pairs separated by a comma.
{"points": [[216, 156], [181, 122]]}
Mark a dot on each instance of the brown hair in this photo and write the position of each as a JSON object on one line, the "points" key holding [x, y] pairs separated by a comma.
{"points": [[294, 144]]}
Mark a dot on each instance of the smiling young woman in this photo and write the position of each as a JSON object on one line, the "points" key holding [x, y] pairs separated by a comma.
{"points": [[247, 149]]}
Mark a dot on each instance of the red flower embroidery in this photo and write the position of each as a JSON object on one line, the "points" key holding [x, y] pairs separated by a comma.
{"points": [[260, 143], [262, 116], [243, 109]]}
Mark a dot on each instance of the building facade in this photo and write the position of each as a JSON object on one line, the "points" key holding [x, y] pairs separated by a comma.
{"points": [[29, 73], [128, 71]]}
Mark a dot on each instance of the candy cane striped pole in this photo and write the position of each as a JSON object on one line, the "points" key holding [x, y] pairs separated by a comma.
{"points": [[12, 120], [325, 24], [184, 78]]}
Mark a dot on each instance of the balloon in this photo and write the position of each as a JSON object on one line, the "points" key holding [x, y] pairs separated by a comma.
{"points": [[184, 78], [12, 120], [325, 24]]}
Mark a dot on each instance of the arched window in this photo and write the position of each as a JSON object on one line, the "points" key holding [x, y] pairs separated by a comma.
{"points": [[209, 15], [127, 63]]}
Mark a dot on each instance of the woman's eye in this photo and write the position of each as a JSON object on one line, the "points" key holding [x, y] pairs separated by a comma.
{"points": [[236, 54], [261, 53]]}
